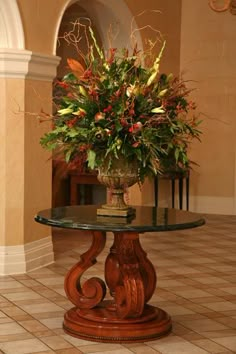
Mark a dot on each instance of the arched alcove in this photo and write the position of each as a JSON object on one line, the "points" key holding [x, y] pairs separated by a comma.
{"points": [[103, 14], [65, 48], [11, 29]]}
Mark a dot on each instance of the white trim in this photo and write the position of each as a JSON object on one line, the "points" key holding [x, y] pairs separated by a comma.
{"points": [[26, 64], [11, 29], [24, 258]]}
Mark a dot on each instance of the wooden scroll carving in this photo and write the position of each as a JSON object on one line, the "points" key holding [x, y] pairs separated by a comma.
{"points": [[94, 289]]}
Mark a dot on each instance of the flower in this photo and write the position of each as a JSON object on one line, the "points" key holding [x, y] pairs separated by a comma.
{"points": [[112, 104]]}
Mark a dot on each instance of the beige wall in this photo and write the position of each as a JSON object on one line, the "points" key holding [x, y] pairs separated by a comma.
{"points": [[38, 172], [208, 51], [166, 17], [23, 171], [12, 176], [40, 19]]}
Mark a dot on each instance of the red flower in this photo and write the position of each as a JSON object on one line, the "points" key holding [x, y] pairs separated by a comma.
{"points": [[93, 93], [71, 123], [87, 74], [179, 108], [117, 93], [136, 144], [192, 105], [82, 113], [108, 131], [84, 147], [107, 109], [99, 116], [123, 122], [135, 127], [63, 84], [112, 52], [131, 112]]}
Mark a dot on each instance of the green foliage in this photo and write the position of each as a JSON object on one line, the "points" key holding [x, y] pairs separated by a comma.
{"points": [[113, 105]]}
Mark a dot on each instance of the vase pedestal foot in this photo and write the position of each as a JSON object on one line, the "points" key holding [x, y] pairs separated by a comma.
{"points": [[106, 211], [101, 324]]}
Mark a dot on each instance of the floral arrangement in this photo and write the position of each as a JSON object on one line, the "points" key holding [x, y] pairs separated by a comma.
{"points": [[116, 103]]}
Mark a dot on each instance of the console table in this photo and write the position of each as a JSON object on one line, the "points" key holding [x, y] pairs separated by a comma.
{"points": [[174, 176], [124, 315], [82, 178]]}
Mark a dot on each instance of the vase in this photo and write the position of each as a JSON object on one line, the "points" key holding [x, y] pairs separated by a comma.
{"points": [[117, 178]]}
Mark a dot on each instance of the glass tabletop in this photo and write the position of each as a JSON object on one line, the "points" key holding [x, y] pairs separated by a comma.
{"points": [[84, 217]]}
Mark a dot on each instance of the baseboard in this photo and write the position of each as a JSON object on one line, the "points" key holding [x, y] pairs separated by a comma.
{"points": [[212, 205], [24, 258], [203, 204]]}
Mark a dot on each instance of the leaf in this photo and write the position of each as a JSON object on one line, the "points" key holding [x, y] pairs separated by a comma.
{"points": [[68, 155], [177, 154], [91, 157], [59, 130], [72, 133], [169, 77], [76, 67]]}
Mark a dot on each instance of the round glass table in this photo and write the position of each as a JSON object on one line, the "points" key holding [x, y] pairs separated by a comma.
{"points": [[124, 314]]}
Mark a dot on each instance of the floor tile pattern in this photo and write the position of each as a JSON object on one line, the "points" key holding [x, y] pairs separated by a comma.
{"points": [[196, 284]]}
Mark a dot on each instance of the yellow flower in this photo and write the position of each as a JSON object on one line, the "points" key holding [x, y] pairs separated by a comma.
{"points": [[65, 111], [158, 110]]}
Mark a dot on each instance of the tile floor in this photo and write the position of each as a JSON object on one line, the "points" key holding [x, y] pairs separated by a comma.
{"points": [[196, 284]]}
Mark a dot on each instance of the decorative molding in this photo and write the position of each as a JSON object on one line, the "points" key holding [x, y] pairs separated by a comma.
{"points": [[26, 64], [24, 258], [11, 29], [227, 5]]}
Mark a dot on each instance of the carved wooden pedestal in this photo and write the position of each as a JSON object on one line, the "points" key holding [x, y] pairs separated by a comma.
{"points": [[131, 280]]}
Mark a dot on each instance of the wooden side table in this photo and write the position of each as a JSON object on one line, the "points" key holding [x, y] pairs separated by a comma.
{"points": [[125, 314], [82, 178], [173, 177]]}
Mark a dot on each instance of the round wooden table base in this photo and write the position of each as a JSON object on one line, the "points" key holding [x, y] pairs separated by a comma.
{"points": [[115, 307], [101, 324]]}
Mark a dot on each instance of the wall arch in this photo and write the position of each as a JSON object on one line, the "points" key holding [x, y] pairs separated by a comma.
{"points": [[11, 28], [103, 14]]}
